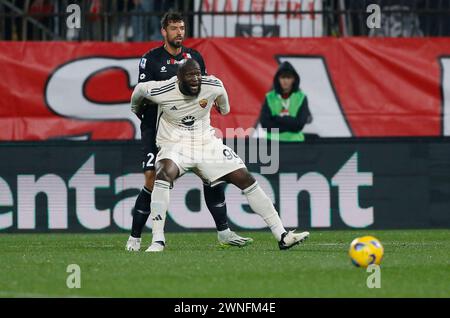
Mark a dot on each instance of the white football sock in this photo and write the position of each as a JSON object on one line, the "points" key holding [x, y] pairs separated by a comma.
{"points": [[158, 207], [262, 205]]}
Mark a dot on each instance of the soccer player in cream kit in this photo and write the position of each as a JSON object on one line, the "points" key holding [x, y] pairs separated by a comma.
{"points": [[187, 142], [161, 64]]}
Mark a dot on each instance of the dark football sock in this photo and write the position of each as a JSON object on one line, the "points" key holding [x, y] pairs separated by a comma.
{"points": [[215, 201], [141, 212]]}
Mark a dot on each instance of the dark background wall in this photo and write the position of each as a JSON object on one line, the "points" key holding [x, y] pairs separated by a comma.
{"points": [[331, 183]]}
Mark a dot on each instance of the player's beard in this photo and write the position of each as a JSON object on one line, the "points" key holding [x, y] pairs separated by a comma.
{"points": [[175, 43]]}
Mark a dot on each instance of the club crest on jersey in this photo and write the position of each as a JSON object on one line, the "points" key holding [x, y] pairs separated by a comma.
{"points": [[203, 103], [188, 121]]}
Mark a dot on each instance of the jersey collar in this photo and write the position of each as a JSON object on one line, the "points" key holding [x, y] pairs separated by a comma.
{"points": [[173, 56]]}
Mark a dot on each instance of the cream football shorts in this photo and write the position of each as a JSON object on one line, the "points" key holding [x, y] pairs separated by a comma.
{"points": [[210, 161]]}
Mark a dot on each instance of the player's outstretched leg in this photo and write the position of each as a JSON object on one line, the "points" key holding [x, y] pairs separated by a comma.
{"points": [[215, 201], [262, 205]]}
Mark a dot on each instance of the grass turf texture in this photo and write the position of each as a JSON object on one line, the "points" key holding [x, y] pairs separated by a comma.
{"points": [[416, 264]]}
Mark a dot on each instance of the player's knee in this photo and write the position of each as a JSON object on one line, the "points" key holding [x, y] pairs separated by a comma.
{"points": [[166, 170], [241, 178], [247, 180], [163, 174]]}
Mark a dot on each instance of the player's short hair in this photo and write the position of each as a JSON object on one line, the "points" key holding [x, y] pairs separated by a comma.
{"points": [[171, 16]]}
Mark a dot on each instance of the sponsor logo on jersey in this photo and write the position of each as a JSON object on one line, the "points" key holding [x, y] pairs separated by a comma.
{"points": [[188, 121], [142, 76], [143, 62], [173, 61], [174, 108], [163, 69], [203, 103]]}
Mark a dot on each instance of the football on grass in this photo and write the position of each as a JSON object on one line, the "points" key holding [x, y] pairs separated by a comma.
{"points": [[366, 250]]}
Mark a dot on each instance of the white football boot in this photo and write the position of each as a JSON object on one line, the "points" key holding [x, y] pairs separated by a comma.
{"points": [[157, 246], [133, 244], [290, 239], [229, 238]]}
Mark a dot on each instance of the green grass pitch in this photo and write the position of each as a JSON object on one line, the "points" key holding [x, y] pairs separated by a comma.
{"points": [[416, 264]]}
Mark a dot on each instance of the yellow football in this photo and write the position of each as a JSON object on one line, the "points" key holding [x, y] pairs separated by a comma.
{"points": [[366, 250]]}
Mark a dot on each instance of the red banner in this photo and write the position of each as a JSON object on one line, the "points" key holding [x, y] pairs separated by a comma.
{"points": [[356, 86]]}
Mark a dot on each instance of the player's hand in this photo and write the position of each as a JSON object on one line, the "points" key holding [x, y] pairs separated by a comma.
{"points": [[138, 109]]}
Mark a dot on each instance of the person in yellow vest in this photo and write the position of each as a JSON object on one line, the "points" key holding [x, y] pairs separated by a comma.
{"points": [[285, 107]]}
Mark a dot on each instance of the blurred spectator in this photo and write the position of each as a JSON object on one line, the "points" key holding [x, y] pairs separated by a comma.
{"points": [[145, 27], [95, 19], [41, 11], [438, 22], [285, 107], [12, 24], [399, 18], [144, 24], [92, 28], [123, 29]]}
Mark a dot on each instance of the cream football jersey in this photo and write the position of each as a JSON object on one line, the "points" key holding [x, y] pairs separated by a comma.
{"points": [[183, 118]]}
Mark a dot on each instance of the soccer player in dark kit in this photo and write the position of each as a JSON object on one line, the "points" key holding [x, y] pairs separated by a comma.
{"points": [[161, 64]]}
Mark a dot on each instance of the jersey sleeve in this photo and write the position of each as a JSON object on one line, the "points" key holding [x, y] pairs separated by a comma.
{"points": [[145, 72], [142, 92], [149, 91], [222, 101]]}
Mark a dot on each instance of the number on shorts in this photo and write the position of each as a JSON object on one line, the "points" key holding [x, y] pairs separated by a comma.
{"points": [[229, 154], [150, 160]]}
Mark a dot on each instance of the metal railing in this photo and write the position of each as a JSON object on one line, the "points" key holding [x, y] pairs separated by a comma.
{"points": [[138, 20]]}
